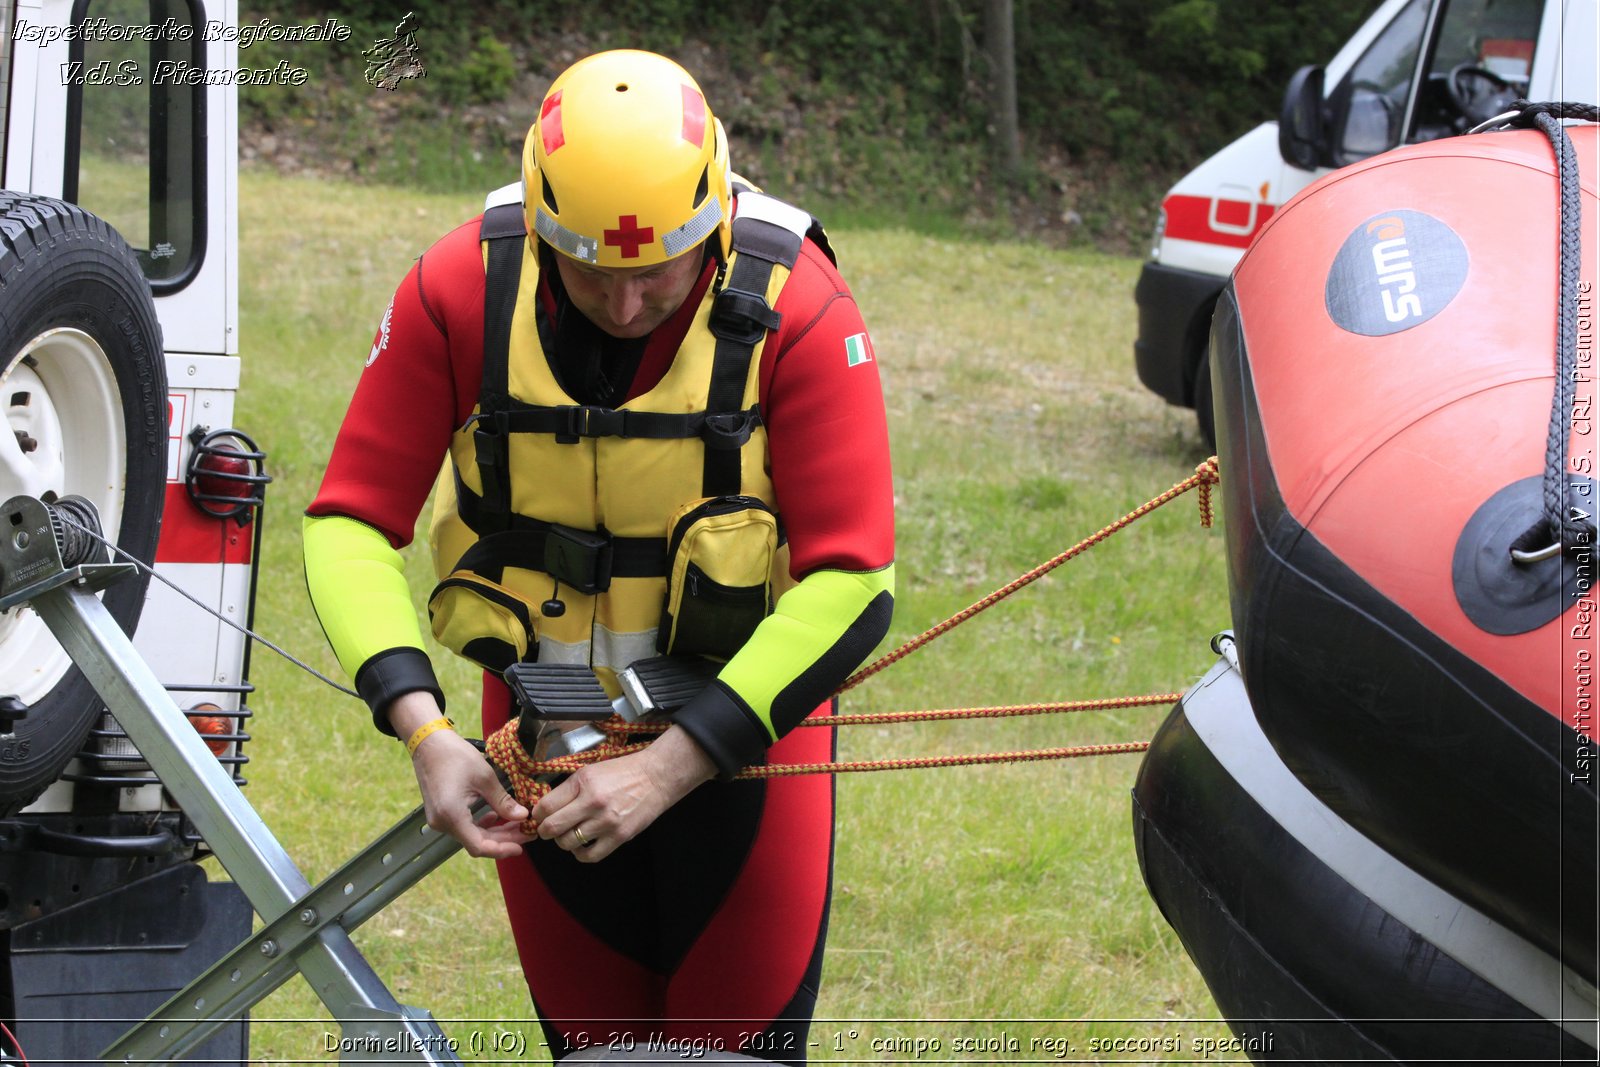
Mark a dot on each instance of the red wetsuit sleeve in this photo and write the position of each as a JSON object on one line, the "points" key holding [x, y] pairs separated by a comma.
{"points": [[420, 383], [827, 433]]}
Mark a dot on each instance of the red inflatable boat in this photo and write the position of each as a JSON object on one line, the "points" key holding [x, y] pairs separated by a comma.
{"points": [[1411, 567]]}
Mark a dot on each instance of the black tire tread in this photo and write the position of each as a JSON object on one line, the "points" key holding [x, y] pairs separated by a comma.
{"points": [[48, 246]]}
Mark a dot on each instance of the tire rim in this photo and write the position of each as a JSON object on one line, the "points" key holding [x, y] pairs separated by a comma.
{"points": [[61, 394]]}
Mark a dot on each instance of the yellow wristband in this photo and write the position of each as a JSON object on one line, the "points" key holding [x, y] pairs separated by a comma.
{"points": [[427, 728]]}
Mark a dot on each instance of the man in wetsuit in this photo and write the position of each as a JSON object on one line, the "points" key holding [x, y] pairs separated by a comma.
{"points": [[666, 434]]}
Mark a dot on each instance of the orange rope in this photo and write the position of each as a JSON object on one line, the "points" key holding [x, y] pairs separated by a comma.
{"points": [[507, 753], [879, 718], [775, 770], [1204, 477], [1003, 712], [505, 750]]}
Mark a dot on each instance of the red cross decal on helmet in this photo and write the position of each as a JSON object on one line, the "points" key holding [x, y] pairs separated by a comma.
{"points": [[550, 123], [629, 235]]}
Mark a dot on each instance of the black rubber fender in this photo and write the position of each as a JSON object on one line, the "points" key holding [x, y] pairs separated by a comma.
{"points": [[1301, 961]]}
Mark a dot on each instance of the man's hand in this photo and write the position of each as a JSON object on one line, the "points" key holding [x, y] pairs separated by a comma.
{"points": [[453, 776], [599, 808]]}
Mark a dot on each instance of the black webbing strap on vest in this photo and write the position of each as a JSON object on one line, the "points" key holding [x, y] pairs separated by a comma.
{"points": [[740, 318], [533, 544], [570, 423], [505, 229]]}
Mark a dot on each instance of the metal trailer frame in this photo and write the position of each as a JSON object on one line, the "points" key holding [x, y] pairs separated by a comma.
{"points": [[307, 929]]}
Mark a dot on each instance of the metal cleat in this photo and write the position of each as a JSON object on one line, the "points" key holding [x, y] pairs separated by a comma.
{"points": [[560, 704], [658, 686]]}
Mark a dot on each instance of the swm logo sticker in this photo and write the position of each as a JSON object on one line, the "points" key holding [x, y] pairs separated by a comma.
{"points": [[1395, 271]]}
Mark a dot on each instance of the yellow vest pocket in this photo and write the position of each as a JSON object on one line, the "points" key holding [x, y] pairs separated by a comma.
{"points": [[483, 621], [719, 583]]}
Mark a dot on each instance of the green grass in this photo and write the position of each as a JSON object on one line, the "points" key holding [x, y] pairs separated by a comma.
{"points": [[1003, 893]]}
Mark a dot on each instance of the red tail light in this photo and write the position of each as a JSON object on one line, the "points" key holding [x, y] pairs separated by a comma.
{"points": [[227, 475]]}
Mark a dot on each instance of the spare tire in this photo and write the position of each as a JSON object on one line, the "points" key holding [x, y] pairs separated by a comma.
{"points": [[84, 387]]}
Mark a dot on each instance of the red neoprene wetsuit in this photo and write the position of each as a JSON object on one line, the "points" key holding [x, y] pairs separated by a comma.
{"points": [[717, 911]]}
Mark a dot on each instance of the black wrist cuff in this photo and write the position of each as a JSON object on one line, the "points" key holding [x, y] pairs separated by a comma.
{"points": [[393, 673], [725, 727]]}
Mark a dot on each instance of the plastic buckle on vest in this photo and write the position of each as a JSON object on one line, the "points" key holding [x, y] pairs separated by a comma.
{"points": [[590, 421], [486, 446], [489, 426], [742, 317], [727, 431], [489, 446], [578, 559]]}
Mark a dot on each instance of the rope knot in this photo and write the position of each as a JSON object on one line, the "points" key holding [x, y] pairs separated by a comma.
{"points": [[525, 774], [1208, 474], [505, 751]]}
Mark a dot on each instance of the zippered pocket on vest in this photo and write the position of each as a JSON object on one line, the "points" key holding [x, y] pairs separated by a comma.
{"points": [[483, 621], [719, 581]]}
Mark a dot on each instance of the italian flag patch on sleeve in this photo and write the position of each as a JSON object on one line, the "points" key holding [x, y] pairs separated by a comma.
{"points": [[857, 350]]}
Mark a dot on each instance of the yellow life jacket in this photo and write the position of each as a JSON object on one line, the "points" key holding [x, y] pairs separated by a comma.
{"points": [[571, 533]]}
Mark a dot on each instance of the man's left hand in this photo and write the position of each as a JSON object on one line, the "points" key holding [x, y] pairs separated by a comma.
{"points": [[604, 805]]}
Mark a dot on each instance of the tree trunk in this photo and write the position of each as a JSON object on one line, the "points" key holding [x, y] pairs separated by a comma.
{"points": [[999, 38]]}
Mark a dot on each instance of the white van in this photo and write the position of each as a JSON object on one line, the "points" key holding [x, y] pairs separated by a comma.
{"points": [[1417, 70]]}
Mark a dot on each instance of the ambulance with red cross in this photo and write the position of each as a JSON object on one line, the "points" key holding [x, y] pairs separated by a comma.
{"points": [[1416, 70]]}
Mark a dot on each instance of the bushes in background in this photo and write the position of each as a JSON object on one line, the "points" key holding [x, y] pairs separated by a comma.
{"points": [[877, 108]]}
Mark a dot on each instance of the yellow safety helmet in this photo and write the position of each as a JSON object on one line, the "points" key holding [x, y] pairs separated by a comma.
{"points": [[625, 165]]}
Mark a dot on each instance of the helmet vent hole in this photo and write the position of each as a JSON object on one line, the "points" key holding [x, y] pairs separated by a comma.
{"points": [[622, 87], [550, 196], [700, 190]]}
